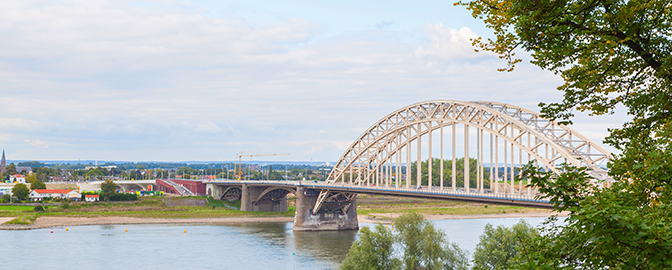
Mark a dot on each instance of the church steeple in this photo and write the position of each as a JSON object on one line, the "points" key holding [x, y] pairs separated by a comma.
{"points": [[3, 163]]}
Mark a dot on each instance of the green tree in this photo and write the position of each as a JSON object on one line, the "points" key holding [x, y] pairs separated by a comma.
{"points": [[31, 177], [9, 170], [373, 250], [108, 188], [611, 54], [21, 191], [96, 173], [74, 176], [608, 228], [425, 247], [421, 245], [448, 172], [32, 164], [186, 170], [497, 246], [37, 184]]}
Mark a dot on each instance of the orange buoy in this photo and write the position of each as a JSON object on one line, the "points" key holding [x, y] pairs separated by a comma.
{"points": [[66, 229], [126, 230], [185, 230]]}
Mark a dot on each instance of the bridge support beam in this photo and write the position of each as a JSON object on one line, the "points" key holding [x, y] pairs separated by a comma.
{"points": [[214, 190], [306, 220], [250, 201]]}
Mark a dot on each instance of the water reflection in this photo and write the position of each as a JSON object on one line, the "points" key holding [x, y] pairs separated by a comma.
{"points": [[331, 246], [275, 233]]}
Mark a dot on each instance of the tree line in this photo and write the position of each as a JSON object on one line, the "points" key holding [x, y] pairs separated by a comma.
{"points": [[411, 242]]}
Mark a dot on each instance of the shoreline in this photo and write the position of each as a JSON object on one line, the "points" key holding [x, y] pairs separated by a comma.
{"points": [[388, 218], [59, 221]]}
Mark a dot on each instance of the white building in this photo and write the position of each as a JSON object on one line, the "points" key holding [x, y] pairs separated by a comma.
{"points": [[6, 189], [91, 198], [39, 194], [17, 179]]}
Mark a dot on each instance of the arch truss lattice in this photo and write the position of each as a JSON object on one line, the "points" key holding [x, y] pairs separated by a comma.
{"points": [[383, 154]]}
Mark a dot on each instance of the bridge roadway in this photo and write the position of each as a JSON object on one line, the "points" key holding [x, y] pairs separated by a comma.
{"points": [[424, 192]]}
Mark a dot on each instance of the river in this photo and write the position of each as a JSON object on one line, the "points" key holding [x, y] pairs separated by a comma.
{"points": [[240, 246]]}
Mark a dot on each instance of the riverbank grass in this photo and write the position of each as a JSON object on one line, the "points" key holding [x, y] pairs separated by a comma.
{"points": [[145, 207], [12, 208], [383, 206]]}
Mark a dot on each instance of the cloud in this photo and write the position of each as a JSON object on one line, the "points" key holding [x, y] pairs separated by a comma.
{"points": [[448, 43], [159, 82], [208, 127], [37, 143], [383, 24], [312, 151]]}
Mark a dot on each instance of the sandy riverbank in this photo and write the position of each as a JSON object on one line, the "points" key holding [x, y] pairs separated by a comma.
{"points": [[55, 221], [47, 222], [388, 217]]}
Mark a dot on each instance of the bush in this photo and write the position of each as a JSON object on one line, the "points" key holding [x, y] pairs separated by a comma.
{"points": [[124, 197], [38, 208]]}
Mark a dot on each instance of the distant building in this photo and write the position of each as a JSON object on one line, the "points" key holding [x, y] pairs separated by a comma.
{"points": [[39, 194], [17, 179], [20, 169], [6, 189], [109, 167], [91, 198], [3, 162]]}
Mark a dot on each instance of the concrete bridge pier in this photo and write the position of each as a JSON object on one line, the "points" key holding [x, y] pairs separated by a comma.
{"points": [[324, 220], [263, 199], [214, 190]]}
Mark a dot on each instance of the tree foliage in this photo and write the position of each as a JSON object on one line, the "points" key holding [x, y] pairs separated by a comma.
{"points": [[21, 191], [420, 244], [373, 250], [9, 170], [608, 51], [608, 227], [108, 189], [498, 246], [32, 164], [448, 172], [37, 184], [611, 54]]}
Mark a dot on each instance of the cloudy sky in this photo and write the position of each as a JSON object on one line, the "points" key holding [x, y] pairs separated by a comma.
{"points": [[202, 80]]}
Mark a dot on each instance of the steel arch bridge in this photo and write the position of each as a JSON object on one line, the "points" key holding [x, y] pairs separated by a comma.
{"points": [[383, 154]]}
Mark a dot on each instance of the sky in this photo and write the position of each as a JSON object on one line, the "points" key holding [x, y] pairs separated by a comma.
{"points": [[203, 80]]}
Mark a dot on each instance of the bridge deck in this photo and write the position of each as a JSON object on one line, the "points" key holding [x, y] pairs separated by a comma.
{"points": [[424, 192]]}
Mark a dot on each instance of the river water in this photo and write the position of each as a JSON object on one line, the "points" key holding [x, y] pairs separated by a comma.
{"points": [[240, 246]]}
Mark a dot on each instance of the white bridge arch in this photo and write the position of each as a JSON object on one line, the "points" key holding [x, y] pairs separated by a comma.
{"points": [[377, 157]]}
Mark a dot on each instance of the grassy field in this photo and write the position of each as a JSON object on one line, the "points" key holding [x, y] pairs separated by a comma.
{"points": [[146, 207], [379, 206], [15, 208]]}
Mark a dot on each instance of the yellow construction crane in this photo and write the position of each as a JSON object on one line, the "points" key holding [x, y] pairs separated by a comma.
{"points": [[242, 154]]}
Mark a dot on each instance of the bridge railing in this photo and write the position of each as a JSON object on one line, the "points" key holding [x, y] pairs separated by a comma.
{"points": [[401, 189], [438, 191]]}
